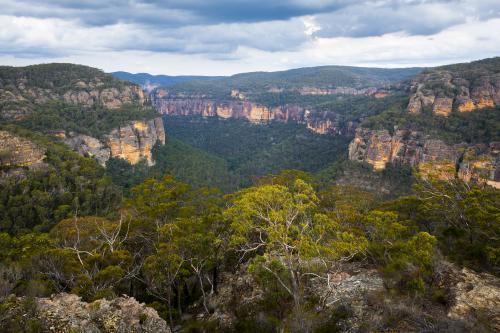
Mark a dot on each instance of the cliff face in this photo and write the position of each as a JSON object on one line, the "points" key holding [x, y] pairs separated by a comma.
{"points": [[22, 88], [19, 152], [132, 142], [240, 109], [90, 93], [373, 91], [378, 148], [453, 88], [135, 141]]}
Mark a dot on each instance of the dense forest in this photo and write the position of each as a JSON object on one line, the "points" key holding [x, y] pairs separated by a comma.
{"points": [[168, 243]]}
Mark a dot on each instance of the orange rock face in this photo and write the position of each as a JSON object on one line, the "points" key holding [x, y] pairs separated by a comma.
{"points": [[135, 141], [467, 106], [442, 106], [432, 157], [448, 89], [16, 151]]}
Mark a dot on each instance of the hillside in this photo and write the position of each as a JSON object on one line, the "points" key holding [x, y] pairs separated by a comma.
{"points": [[24, 88], [149, 81], [95, 113], [326, 77]]}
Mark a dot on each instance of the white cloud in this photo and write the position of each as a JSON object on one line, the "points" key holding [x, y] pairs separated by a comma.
{"points": [[376, 33]]}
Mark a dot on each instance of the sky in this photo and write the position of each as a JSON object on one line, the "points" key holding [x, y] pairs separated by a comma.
{"points": [[223, 37]]}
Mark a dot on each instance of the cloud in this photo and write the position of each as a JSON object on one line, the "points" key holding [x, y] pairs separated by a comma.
{"points": [[222, 35]]}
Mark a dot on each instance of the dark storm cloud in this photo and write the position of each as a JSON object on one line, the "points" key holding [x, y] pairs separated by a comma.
{"points": [[172, 12], [177, 13]]}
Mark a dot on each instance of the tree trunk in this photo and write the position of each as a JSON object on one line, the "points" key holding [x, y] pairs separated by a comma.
{"points": [[202, 292], [214, 278], [179, 294]]}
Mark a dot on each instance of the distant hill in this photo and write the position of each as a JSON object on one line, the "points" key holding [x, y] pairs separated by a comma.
{"points": [[324, 77], [148, 80]]}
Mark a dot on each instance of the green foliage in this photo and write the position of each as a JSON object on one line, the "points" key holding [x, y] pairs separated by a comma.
{"points": [[407, 256], [466, 219], [126, 175], [69, 184], [193, 166], [282, 226], [19, 316]]}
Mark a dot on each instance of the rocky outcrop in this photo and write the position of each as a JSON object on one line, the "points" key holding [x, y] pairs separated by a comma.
{"points": [[461, 88], [111, 98], [68, 313], [240, 293], [472, 296], [378, 148], [18, 152], [23, 88], [132, 142], [481, 162], [87, 146]]}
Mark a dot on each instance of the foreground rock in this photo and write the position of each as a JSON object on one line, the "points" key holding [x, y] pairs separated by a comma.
{"points": [[473, 296], [240, 298], [67, 313]]}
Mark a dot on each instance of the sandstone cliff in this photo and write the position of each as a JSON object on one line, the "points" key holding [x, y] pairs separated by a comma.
{"points": [[321, 123], [461, 88], [378, 148], [18, 152], [22, 88], [132, 142]]}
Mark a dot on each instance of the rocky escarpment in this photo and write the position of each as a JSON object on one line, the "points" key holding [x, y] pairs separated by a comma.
{"points": [[373, 91], [132, 142], [461, 88], [18, 152], [321, 123], [22, 88], [378, 148], [68, 313]]}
